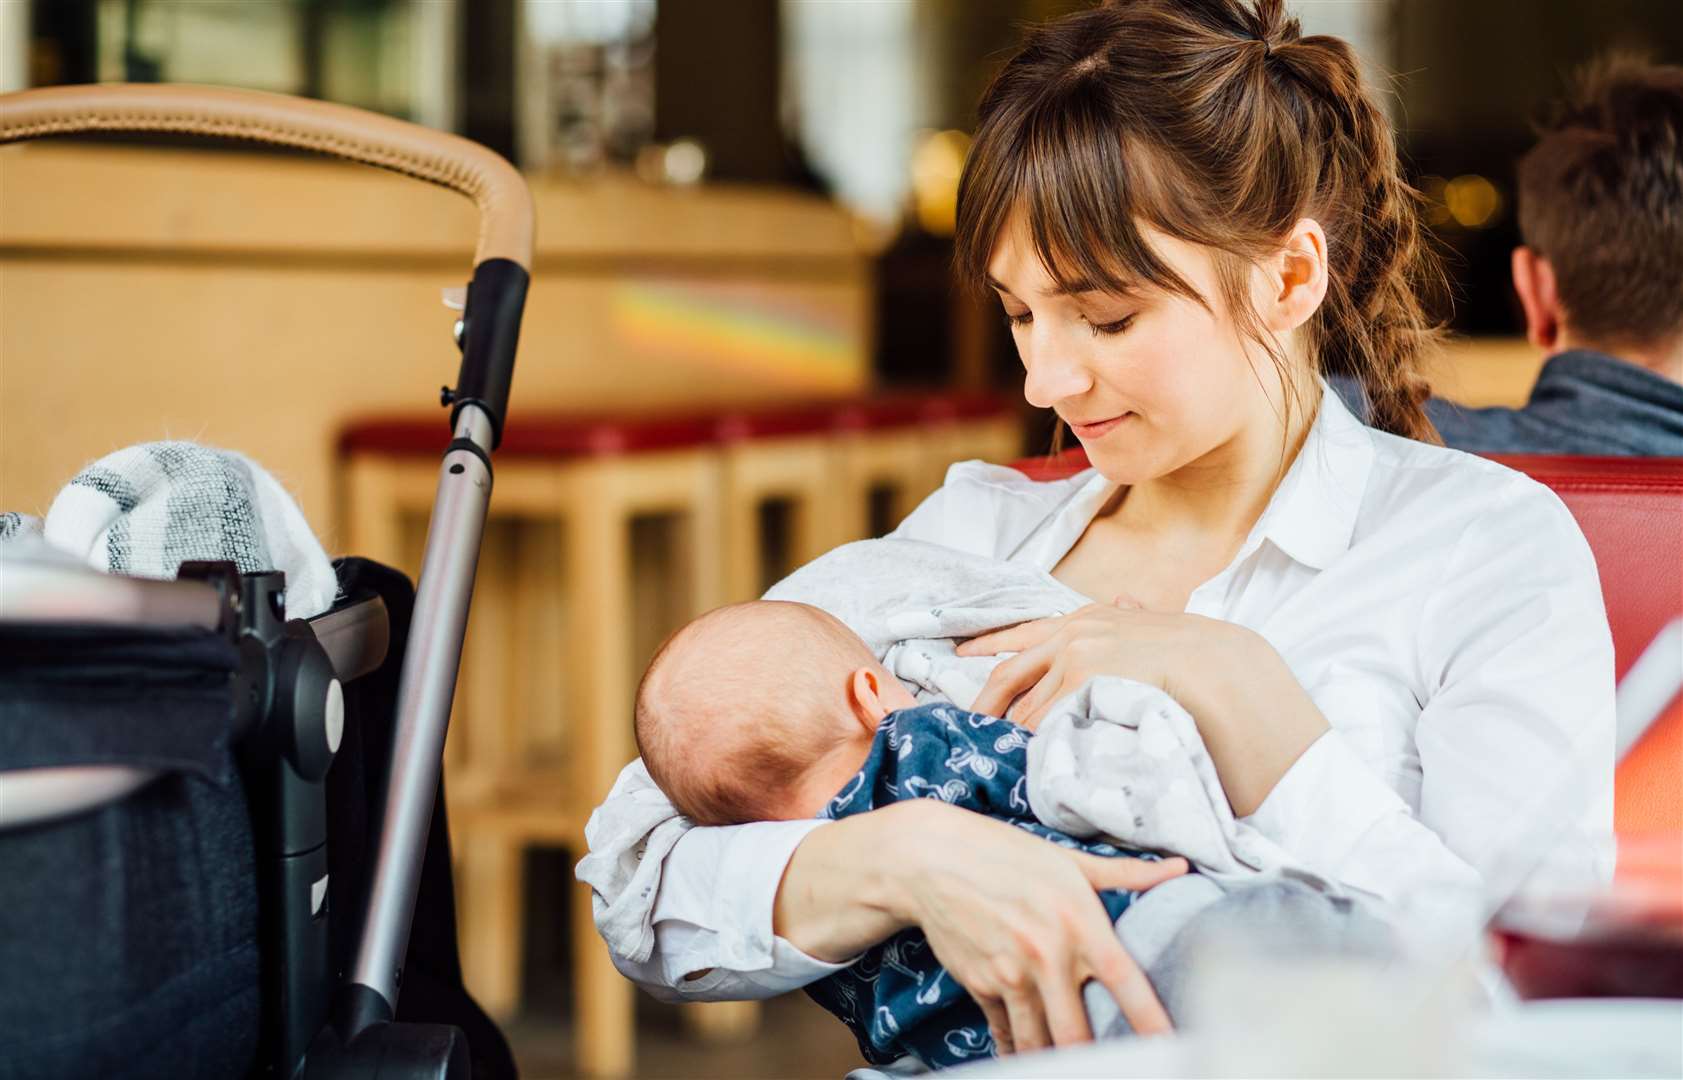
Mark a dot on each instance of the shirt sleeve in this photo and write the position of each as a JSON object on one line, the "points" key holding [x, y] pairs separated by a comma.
{"points": [[1515, 740], [714, 915]]}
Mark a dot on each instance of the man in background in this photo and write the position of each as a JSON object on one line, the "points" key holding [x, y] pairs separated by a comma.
{"points": [[1599, 275]]}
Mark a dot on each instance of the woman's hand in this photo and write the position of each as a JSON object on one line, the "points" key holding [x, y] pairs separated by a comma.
{"points": [[1056, 656], [1017, 922], [1254, 716]]}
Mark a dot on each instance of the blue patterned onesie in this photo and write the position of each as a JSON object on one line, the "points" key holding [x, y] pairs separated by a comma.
{"points": [[897, 999]]}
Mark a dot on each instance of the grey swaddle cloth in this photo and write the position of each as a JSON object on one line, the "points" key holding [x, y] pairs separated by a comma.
{"points": [[1115, 758]]}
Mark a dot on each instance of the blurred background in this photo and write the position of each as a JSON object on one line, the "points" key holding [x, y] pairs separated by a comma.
{"points": [[745, 211]]}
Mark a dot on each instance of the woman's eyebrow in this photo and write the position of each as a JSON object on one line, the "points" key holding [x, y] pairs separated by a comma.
{"points": [[1073, 287]]}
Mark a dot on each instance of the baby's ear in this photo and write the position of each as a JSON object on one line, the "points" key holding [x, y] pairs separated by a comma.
{"points": [[865, 696]]}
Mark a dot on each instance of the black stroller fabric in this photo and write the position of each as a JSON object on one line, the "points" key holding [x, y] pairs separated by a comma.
{"points": [[432, 990], [129, 936]]}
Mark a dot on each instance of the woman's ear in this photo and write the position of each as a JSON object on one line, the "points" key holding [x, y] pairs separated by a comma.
{"points": [[1298, 276]]}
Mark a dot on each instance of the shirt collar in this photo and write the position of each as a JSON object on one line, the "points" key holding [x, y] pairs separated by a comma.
{"points": [[1312, 515]]}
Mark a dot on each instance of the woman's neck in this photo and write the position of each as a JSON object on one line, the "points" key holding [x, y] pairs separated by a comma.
{"points": [[1216, 499]]}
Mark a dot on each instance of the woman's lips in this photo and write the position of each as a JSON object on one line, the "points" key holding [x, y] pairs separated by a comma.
{"points": [[1093, 431]]}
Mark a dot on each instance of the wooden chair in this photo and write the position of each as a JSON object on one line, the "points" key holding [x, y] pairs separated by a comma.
{"points": [[769, 456], [971, 424], [590, 476], [885, 462]]}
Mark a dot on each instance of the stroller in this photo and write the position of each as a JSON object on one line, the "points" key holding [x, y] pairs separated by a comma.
{"points": [[218, 827]]}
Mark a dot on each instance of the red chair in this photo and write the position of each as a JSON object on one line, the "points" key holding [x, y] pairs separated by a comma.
{"points": [[1631, 511]]}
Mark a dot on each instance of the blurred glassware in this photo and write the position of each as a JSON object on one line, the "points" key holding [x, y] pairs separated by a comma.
{"points": [[679, 163], [390, 56], [1624, 941], [856, 88], [937, 163], [1275, 998], [585, 85]]}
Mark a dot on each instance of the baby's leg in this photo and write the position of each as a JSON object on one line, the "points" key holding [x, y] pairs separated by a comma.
{"points": [[1162, 927]]}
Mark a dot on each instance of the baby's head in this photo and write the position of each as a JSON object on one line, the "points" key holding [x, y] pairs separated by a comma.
{"points": [[760, 711]]}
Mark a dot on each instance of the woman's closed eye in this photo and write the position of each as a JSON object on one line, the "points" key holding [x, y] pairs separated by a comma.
{"points": [[1016, 319], [1109, 328]]}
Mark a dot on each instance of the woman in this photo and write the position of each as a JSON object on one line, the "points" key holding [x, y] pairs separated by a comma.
{"points": [[1189, 213]]}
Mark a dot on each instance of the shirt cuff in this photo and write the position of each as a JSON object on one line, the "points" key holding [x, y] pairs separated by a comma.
{"points": [[731, 928], [1325, 804]]}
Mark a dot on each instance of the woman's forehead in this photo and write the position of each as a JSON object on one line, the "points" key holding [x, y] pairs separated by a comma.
{"points": [[1015, 266]]}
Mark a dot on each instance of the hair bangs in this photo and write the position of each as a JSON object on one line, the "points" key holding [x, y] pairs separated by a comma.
{"points": [[1080, 190]]}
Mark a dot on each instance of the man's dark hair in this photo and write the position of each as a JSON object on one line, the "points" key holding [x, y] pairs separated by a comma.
{"points": [[1601, 197]]}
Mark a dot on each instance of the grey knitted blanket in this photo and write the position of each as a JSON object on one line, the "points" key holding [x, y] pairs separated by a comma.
{"points": [[145, 509]]}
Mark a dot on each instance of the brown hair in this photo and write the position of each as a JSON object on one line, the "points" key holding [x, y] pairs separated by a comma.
{"points": [[1601, 197], [1215, 122]]}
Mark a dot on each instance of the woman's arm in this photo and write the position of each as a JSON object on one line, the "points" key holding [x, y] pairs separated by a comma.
{"points": [[1255, 718], [749, 911], [686, 912], [1016, 921], [1515, 741]]}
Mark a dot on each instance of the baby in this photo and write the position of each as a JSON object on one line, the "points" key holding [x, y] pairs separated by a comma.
{"points": [[775, 710], [761, 711]]}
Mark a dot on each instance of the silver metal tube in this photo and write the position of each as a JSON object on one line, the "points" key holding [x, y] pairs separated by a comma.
{"points": [[43, 588], [425, 688], [33, 796]]}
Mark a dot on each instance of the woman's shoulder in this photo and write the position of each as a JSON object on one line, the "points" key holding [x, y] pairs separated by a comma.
{"points": [[1462, 497], [986, 508]]}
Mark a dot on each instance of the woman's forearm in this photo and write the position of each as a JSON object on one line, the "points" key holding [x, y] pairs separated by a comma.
{"points": [[1255, 717], [841, 893]]}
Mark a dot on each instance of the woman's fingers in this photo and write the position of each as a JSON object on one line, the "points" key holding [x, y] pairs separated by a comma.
{"points": [[1032, 706], [1010, 678], [1015, 638], [1117, 972], [1066, 1016], [1027, 1019], [999, 1024], [1121, 872]]}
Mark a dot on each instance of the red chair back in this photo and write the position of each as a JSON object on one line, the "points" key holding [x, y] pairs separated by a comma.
{"points": [[1631, 511]]}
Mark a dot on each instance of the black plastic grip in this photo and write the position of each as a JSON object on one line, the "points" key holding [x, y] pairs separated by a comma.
{"points": [[490, 332]]}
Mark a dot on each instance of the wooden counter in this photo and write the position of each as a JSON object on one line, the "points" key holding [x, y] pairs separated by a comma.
{"points": [[256, 301]]}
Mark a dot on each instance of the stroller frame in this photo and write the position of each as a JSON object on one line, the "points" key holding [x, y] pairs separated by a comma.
{"points": [[297, 667]]}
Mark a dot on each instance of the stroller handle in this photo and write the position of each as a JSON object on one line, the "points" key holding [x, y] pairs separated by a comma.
{"points": [[502, 262], [505, 206]]}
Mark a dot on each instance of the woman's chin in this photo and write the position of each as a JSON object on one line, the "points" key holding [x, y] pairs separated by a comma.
{"points": [[1127, 466]]}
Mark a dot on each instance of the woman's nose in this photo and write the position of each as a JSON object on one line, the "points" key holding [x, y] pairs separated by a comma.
{"points": [[1053, 375]]}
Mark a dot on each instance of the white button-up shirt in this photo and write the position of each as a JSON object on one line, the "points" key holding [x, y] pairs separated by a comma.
{"points": [[1442, 611]]}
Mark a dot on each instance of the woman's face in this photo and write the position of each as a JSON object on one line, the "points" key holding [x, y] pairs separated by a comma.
{"points": [[1149, 382]]}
